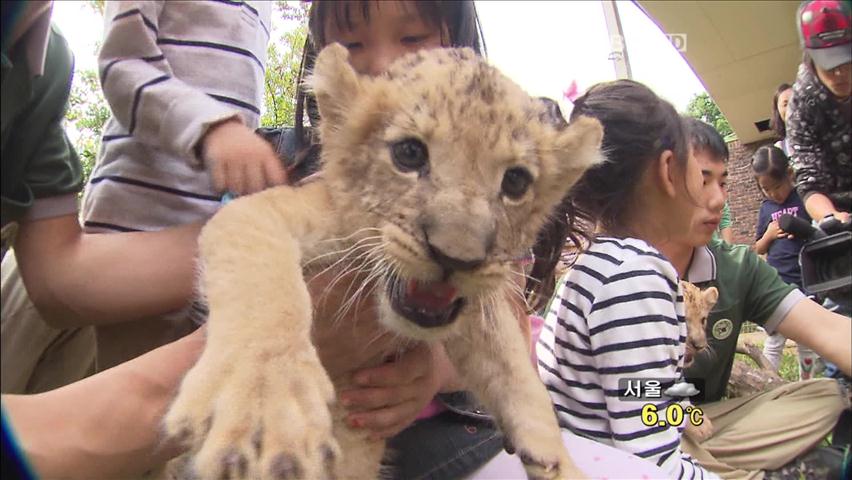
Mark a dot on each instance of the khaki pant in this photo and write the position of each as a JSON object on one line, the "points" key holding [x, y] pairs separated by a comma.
{"points": [[767, 430], [120, 342], [35, 356]]}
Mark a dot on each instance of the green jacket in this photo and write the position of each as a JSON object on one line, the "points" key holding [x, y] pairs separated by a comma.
{"points": [[749, 289]]}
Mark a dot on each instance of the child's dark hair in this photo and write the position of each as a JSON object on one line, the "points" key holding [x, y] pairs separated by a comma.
{"points": [[704, 138], [460, 18], [776, 123], [638, 127], [770, 160]]}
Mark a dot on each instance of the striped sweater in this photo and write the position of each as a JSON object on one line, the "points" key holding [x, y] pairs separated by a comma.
{"points": [[168, 71], [618, 314]]}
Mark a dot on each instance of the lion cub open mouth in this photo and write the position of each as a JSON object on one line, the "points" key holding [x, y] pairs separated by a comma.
{"points": [[428, 305]]}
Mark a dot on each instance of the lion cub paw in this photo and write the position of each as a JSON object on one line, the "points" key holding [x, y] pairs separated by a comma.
{"points": [[256, 419], [538, 468], [547, 460]]}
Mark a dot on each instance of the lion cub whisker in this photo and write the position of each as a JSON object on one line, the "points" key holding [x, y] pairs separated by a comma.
{"points": [[338, 252]]}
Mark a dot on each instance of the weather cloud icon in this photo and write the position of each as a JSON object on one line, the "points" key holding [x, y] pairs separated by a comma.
{"points": [[681, 390]]}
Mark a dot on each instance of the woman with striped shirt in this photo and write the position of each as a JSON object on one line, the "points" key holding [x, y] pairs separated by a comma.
{"points": [[618, 313]]}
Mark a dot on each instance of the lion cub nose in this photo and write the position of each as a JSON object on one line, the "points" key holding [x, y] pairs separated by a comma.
{"points": [[449, 263], [459, 231]]}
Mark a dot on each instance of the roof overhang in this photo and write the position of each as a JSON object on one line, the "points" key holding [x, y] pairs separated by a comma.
{"points": [[740, 50]]}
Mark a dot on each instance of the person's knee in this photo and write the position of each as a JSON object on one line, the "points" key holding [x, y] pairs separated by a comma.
{"points": [[832, 395]]}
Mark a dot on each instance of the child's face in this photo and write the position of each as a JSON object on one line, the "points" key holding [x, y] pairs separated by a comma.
{"points": [[712, 197], [775, 190], [393, 29], [783, 100]]}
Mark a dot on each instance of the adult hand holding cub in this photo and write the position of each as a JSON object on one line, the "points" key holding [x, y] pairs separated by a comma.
{"points": [[384, 395]]}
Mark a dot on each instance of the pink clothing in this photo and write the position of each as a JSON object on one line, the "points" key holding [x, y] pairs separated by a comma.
{"points": [[536, 323], [596, 460], [434, 408]]}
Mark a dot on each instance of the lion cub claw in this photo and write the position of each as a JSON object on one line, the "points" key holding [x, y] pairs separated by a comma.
{"points": [[271, 421]]}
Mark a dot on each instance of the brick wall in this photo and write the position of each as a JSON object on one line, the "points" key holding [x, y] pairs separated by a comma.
{"points": [[743, 195]]}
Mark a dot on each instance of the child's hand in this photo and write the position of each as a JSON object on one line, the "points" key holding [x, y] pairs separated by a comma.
{"points": [[239, 160], [385, 399], [699, 433], [773, 231]]}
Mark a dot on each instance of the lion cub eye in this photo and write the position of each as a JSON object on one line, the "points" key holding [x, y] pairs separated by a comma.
{"points": [[409, 155], [516, 181]]}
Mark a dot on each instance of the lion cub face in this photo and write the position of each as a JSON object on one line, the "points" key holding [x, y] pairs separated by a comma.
{"points": [[698, 304], [454, 164]]}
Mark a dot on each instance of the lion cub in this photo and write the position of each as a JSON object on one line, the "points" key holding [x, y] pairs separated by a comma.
{"points": [[697, 305], [436, 175]]}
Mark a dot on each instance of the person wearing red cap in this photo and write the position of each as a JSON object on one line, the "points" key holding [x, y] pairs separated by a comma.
{"points": [[818, 123]]}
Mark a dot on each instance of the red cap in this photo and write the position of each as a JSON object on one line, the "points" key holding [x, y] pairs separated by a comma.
{"points": [[825, 31]]}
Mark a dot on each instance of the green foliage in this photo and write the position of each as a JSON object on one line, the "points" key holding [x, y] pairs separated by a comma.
{"points": [[282, 66], [705, 109], [294, 10], [87, 113], [788, 369], [97, 5]]}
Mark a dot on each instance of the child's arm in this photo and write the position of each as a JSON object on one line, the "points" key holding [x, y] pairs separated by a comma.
{"points": [[153, 105], [72, 280], [635, 333]]}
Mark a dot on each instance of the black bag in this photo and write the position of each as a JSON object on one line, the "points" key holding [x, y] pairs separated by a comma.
{"points": [[298, 164]]}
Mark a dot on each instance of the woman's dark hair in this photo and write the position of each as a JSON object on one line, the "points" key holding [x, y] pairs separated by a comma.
{"points": [[778, 124], [770, 160], [638, 127], [809, 62]]}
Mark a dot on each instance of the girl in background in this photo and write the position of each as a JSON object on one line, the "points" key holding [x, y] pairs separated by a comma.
{"points": [[775, 179], [619, 314]]}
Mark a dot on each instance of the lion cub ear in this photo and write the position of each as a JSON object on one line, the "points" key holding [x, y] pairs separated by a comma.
{"points": [[334, 82], [710, 296], [578, 146]]}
